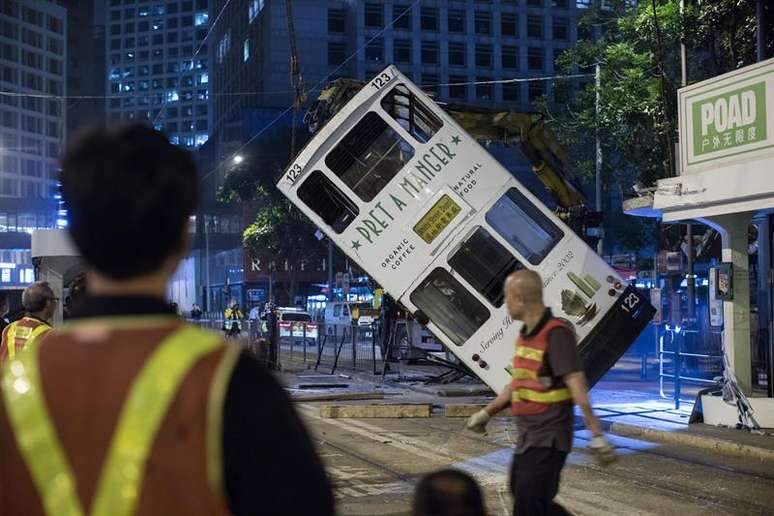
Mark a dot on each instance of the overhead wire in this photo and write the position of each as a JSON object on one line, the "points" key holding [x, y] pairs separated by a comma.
{"points": [[285, 92], [494, 81], [144, 95], [317, 86], [516, 80]]}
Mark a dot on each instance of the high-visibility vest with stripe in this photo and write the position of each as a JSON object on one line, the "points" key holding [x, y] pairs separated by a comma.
{"points": [[232, 320], [163, 446], [17, 335], [532, 394]]}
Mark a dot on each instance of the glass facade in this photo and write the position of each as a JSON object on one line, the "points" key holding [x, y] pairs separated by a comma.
{"points": [[32, 60], [460, 43], [158, 69]]}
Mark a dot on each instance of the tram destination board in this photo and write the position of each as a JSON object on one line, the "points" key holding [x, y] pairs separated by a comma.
{"points": [[437, 219]]}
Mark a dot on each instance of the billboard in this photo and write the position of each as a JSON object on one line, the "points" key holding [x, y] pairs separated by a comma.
{"points": [[723, 120]]}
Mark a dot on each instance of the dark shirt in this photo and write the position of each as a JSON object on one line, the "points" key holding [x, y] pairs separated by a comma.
{"points": [[553, 428], [271, 466]]}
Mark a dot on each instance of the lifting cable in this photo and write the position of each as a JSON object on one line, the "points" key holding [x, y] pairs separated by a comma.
{"points": [[296, 79]]}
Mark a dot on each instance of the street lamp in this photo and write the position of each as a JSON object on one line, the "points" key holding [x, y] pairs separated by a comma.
{"points": [[238, 159]]}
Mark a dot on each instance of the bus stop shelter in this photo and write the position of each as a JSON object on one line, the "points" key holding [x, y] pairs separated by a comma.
{"points": [[725, 180]]}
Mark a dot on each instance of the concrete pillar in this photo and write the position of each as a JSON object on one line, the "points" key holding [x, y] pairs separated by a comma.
{"points": [[736, 313]]}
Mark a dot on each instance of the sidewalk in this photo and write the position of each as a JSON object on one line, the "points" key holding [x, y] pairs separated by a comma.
{"points": [[627, 405], [630, 413]]}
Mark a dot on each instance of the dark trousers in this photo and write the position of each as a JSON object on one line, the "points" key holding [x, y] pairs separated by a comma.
{"points": [[535, 478]]}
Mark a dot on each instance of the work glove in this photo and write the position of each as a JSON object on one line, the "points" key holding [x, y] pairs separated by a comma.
{"points": [[603, 452], [477, 422]]}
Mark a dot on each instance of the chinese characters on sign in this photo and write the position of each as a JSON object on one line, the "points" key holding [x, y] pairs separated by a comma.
{"points": [[437, 218], [729, 120]]}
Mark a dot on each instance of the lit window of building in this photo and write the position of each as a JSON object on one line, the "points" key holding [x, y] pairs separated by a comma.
{"points": [[201, 18], [255, 7]]}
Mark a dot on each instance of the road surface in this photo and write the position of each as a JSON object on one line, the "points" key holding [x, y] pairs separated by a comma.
{"points": [[375, 464]]}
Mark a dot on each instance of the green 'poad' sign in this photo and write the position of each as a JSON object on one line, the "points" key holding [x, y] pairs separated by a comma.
{"points": [[732, 119]]}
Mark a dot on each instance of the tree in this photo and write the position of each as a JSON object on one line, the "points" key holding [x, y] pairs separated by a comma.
{"points": [[279, 228], [638, 49]]}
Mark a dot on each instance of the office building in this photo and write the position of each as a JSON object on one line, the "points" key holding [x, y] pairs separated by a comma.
{"points": [[443, 45], [33, 56], [158, 66]]}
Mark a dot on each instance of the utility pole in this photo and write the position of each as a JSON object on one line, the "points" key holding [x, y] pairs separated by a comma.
{"points": [[765, 271], [207, 307], [690, 280], [330, 270], [598, 169], [271, 280]]}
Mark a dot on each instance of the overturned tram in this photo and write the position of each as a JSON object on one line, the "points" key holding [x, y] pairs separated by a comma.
{"points": [[425, 210]]}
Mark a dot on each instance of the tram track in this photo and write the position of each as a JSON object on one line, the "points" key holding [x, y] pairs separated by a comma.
{"points": [[408, 479], [637, 479], [694, 462], [735, 506], [730, 505]]}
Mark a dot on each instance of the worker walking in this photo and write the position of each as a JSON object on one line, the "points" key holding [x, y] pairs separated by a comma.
{"points": [[547, 380], [232, 320], [126, 409], [39, 303]]}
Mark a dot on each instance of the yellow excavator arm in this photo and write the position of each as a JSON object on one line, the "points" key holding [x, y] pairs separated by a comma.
{"points": [[544, 153]]}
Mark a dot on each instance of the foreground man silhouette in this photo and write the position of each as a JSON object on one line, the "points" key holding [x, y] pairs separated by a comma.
{"points": [[128, 410]]}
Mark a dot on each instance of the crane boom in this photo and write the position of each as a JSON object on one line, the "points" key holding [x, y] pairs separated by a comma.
{"points": [[544, 153]]}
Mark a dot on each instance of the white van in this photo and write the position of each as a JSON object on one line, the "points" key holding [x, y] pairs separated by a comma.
{"points": [[291, 321], [339, 313]]}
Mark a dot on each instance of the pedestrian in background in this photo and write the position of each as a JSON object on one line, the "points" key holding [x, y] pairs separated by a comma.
{"points": [[232, 320], [547, 380], [39, 303], [196, 312], [448, 492], [132, 410]]}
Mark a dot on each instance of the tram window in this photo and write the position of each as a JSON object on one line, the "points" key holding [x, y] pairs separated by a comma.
{"points": [[402, 105], [484, 263], [369, 156], [456, 312], [524, 226], [328, 201]]}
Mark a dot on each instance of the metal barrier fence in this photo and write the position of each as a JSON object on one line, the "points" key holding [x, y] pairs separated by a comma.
{"points": [[688, 356], [326, 348], [329, 347]]}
